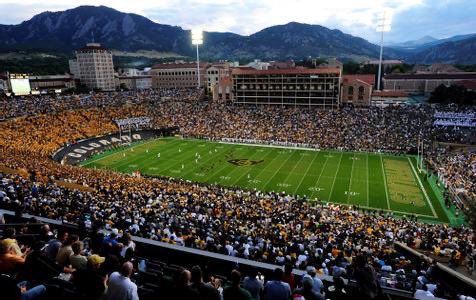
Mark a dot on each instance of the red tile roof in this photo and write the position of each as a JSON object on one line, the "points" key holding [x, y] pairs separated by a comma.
{"points": [[424, 76], [293, 71], [179, 66], [367, 78], [469, 84]]}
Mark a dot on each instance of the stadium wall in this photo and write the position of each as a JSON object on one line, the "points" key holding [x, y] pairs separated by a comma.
{"points": [[81, 150]]}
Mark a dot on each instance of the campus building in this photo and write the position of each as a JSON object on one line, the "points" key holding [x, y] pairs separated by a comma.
{"points": [[177, 75], [424, 82], [216, 73], [357, 89], [296, 86], [137, 82], [52, 83], [93, 66]]}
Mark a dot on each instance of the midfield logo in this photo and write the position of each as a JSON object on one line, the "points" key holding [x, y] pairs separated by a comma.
{"points": [[244, 162]]}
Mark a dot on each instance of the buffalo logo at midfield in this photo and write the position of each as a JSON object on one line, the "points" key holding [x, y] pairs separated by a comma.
{"points": [[244, 162]]}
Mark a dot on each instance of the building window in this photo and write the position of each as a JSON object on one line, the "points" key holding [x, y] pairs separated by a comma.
{"points": [[361, 93], [350, 90]]}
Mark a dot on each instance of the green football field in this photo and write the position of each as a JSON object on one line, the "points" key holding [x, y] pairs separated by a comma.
{"points": [[370, 180]]}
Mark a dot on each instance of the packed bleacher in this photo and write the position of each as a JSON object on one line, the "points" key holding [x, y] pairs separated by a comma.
{"points": [[344, 242]]}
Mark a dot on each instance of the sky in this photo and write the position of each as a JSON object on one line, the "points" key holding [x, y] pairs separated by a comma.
{"points": [[412, 19]]}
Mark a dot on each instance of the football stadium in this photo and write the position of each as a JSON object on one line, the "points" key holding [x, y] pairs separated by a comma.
{"points": [[147, 161], [174, 191]]}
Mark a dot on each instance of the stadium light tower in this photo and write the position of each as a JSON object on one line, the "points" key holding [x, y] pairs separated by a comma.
{"points": [[197, 39], [384, 25]]}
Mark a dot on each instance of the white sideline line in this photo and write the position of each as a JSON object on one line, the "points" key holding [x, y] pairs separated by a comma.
{"points": [[268, 146], [305, 174], [422, 188], [385, 182]]}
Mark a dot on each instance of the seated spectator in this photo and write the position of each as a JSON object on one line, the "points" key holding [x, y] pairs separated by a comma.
{"points": [[110, 241], [307, 290], [77, 260], [120, 286], [205, 291], [38, 265], [235, 291], [54, 244], [91, 283], [10, 262], [276, 289], [9, 235], [66, 250], [20, 291]]}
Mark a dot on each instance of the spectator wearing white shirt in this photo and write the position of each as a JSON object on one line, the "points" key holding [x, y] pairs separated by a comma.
{"points": [[120, 285]]}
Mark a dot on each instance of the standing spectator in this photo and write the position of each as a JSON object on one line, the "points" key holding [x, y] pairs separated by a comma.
{"points": [[276, 289], [316, 281], [205, 291], [183, 290], [253, 284], [289, 276], [366, 278], [127, 244], [337, 291], [307, 290], [235, 292], [120, 285]]}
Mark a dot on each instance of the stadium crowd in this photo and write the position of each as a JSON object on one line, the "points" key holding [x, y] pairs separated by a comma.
{"points": [[322, 239], [268, 227]]}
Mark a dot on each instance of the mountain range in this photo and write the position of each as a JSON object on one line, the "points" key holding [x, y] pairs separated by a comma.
{"points": [[64, 31]]}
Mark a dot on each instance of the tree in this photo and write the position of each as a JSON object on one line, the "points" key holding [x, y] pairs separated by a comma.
{"points": [[470, 213], [453, 94]]}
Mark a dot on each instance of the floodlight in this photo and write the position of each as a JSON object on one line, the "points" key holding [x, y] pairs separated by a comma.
{"points": [[197, 37], [384, 24]]}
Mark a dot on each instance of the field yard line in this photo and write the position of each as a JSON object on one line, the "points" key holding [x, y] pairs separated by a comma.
{"points": [[262, 170], [289, 173], [101, 158], [335, 176], [350, 183], [322, 170], [305, 173], [239, 178], [385, 182], [422, 188], [368, 182], [279, 169]]}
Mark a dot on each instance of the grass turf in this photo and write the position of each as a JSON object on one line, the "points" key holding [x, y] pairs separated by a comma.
{"points": [[378, 181]]}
